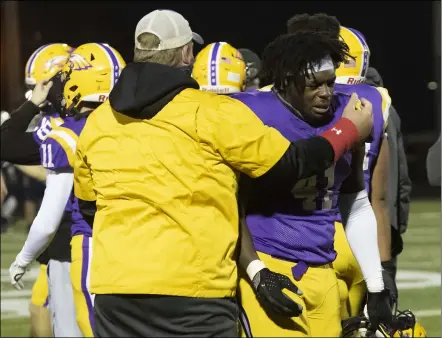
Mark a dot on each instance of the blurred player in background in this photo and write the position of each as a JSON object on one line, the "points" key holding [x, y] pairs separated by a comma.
{"points": [[43, 64], [294, 234], [352, 71], [253, 65], [220, 68], [88, 77], [3, 189], [21, 145]]}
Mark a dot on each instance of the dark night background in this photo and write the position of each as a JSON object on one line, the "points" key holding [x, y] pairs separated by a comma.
{"points": [[400, 35]]}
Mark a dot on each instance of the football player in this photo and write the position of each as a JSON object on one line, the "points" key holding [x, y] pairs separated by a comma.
{"points": [[22, 147], [220, 68], [352, 71], [294, 234], [87, 78]]}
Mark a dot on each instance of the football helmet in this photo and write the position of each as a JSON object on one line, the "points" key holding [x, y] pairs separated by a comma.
{"points": [[353, 71], [45, 62], [220, 68], [89, 75], [405, 326]]}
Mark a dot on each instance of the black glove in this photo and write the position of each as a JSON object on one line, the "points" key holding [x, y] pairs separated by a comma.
{"points": [[389, 274], [268, 288], [379, 309]]}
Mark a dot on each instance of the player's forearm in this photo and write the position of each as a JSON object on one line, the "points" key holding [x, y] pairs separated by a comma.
{"points": [[36, 172], [380, 208], [4, 190], [47, 221], [361, 230]]}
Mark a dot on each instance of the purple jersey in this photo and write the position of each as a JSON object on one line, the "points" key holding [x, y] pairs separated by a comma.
{"points": [[298, 227], [45, 126], [58, 153], [381, 104]]}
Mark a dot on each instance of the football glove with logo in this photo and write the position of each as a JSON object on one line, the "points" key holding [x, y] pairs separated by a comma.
{"points": [[388, 275], [379, 309], [269, 287], [16, 273]]}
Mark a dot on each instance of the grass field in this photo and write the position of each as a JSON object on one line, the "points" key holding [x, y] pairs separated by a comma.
{"points": [[419, 278]]}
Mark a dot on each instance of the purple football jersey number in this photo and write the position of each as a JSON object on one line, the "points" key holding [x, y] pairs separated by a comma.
{"points": [[316, 191], [46, 156]]}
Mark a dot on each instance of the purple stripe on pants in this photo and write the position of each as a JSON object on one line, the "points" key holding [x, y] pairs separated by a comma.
{"points": [[84, 288]]}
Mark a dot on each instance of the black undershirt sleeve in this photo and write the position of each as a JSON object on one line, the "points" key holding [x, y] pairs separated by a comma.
{"points": [[17, 145]]}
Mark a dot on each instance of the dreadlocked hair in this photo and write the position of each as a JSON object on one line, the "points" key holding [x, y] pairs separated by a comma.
{"points": [[319, 22], [292, 56]]}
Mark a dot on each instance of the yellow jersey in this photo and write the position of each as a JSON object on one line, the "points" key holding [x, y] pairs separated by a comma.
{"points": [[165, 189]]}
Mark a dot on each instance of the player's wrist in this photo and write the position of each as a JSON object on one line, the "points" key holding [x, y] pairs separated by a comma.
{"points": [[375, 284], [254, 268], [341, 136], [20, 261]]}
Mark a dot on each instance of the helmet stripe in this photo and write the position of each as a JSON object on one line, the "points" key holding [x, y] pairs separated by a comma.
{"points": [[115, 65], [213, 69], [34, 56], [366, 50]]}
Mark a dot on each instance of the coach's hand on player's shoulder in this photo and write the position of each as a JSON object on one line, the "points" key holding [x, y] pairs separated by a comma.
{"points": [[40, 92], [16, 273], [360, 112], [269, 287], [379, 309]]}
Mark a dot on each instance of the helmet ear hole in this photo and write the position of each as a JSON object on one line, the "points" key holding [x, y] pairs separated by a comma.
{"points": [[92, 57], [73, 88]]}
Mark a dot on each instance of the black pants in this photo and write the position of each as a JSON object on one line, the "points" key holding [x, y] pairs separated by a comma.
{"points": [[123, 316]]}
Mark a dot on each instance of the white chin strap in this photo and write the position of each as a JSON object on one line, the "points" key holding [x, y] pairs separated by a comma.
{"points": [[325, 64]]}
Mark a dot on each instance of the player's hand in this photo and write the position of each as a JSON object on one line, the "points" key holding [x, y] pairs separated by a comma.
{"points": [[360, 112], [268, 288], [16, 272], [388, 275], [379, 310], [40, 92]]}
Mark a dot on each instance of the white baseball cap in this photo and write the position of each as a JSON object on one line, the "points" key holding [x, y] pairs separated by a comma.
{"points": [[170, 27]]}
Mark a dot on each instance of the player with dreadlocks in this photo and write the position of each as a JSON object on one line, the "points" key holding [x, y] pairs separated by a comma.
{"points": [[294, 233]]}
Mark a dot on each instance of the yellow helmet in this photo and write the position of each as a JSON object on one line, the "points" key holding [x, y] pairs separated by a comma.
{"points": [[45, 62], [90, 74], [353, 71], [220, 68], [404, 325]]}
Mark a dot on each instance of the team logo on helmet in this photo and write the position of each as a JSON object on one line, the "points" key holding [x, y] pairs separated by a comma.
{"points": [[56, 62], [78, 63]]}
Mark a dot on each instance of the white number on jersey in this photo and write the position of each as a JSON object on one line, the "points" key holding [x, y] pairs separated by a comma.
{"points": [[315, 195], [47, 156]]}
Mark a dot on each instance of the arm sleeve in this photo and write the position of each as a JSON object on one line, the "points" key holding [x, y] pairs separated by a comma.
{"points": [[259, 151], [361, 230], [45, 225], [434, 165], [17, 145], [83, 187]]}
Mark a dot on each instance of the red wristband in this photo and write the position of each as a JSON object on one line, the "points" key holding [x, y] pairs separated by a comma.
{"points": [[341, 136]]}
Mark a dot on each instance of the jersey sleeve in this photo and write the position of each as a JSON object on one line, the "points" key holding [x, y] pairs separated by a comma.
{"points": [[241, 138], [57, 151], [386, 103], [44, 127]]}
